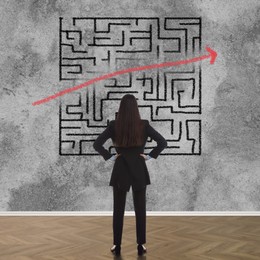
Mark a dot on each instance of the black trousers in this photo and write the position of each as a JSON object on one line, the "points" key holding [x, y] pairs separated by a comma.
{"points": [[139, 198]]}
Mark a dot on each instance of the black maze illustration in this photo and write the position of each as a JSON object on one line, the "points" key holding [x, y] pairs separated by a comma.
{"points": [[169, 97]]}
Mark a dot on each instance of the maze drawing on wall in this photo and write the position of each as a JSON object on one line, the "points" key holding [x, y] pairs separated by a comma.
{"points": [[169, 97]]}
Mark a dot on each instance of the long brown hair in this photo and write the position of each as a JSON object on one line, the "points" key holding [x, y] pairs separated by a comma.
{"points": [[129, 128]]}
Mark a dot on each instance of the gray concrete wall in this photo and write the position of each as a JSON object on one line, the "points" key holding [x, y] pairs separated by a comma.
{"points": [[34, 177]]}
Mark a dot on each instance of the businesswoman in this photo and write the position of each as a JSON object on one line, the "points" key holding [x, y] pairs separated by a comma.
{"points": [[129, 134]]}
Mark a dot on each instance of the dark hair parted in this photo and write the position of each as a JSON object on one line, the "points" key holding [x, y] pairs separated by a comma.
{"points": [[129, 128]]}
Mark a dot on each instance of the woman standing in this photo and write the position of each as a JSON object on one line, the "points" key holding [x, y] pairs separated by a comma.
{"points": [[129, 134]]}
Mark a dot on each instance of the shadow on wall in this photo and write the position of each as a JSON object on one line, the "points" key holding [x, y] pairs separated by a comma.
{"points": [[43, 196]]}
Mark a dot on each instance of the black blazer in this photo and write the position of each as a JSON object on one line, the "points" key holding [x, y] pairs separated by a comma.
{"points": [[130, 167]]}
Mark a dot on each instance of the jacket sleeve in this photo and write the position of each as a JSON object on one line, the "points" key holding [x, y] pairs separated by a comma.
{"points": [[101, 139], [160, 140]]}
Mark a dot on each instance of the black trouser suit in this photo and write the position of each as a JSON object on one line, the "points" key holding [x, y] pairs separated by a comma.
{"points": [[139, 199], [130, 169]]}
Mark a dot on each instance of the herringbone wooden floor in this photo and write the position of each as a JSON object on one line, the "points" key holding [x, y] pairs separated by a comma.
{"points": [[90, 238]]}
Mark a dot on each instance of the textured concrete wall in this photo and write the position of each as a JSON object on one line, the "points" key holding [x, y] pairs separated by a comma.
{"points": [[33, 177]]}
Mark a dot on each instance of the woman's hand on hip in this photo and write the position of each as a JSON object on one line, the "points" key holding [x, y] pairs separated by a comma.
{"points": [[143, 155]]}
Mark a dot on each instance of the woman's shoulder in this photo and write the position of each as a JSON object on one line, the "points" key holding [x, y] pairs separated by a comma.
{"points": [[111, 123], [146, 121]]}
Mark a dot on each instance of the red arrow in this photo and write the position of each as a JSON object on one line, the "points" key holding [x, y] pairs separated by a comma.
{"points": [[212, 55]]}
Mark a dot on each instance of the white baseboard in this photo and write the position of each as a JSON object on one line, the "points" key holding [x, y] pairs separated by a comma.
{"points": [[130, 213]]}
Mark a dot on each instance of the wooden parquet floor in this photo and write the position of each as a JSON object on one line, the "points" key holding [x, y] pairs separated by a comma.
{"points": [[168, 238]]}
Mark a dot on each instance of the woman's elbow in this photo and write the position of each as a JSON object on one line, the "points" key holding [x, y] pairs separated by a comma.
{"points": [[95, 145]]}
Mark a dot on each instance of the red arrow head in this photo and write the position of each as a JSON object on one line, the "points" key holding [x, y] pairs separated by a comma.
{"points": [[213, 55]]}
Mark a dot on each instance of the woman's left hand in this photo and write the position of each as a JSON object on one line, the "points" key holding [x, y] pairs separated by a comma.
{"points": [[143, 155]]}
